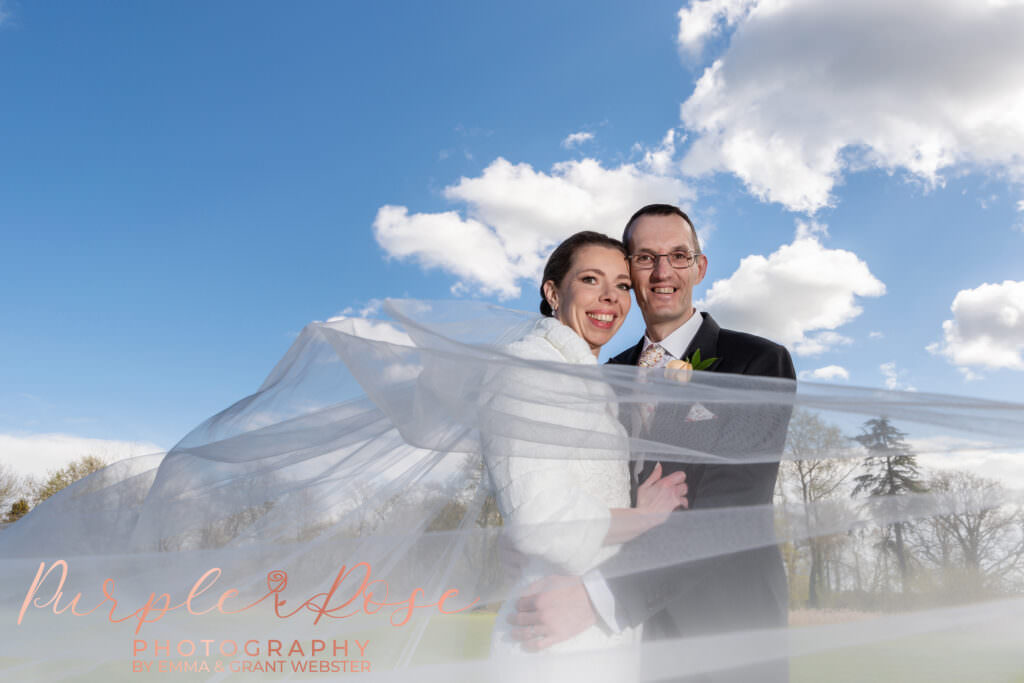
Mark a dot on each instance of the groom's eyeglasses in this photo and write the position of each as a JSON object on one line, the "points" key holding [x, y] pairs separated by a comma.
{"points": [[677, 259]]}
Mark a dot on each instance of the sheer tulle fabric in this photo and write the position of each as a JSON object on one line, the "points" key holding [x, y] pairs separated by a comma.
{"points": [[366, 451]]}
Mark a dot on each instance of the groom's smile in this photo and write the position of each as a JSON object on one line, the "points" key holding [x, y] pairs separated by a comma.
{"points": [[662, 299]]}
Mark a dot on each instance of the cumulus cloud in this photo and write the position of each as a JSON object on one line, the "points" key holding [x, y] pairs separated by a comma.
{"points": [[465, 247], [575, 139], [705, 19], [808, 90], [992, 460], [829, 372], [375, 330], [660, 159], [367, 310], [987, 329], [37, 454], [805, 229], [820, 342], [895, 378], [514, 214], [797, 296]]}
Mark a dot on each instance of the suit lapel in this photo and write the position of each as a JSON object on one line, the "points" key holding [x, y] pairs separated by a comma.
{"points": [[706, 340], [631, 357]]}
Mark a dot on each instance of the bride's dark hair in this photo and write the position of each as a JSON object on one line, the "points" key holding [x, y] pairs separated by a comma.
{"points": [[561, 258]]}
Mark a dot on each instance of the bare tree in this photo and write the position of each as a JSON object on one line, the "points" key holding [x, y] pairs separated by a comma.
{"points": [[60, 479], [977, 547], [13, 494], [11, 485], [816, 469]]}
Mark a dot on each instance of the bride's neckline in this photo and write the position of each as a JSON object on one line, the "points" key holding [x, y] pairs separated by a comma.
{"points": [[566, 341]]}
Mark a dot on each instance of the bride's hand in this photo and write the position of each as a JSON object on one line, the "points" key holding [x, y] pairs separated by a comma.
{"points": [[658, 496]]}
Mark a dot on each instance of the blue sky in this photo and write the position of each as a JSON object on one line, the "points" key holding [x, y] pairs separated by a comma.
{"points": [[183, 187]]}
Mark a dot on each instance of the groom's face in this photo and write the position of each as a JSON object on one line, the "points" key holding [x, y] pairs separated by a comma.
{"points": [[664, 293]]}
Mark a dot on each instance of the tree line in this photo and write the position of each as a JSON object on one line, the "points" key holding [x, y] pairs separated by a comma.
{"points": [[19, 494], [972, 547]]}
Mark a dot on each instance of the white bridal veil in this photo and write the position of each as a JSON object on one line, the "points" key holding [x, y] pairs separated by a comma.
{"points": [[364, 456]]}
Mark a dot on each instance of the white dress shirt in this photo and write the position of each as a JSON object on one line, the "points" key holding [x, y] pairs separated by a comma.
{"points": [[675, 344]]}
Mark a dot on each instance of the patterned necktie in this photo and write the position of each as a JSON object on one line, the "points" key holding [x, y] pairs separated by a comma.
{"points": [[651, 356]]}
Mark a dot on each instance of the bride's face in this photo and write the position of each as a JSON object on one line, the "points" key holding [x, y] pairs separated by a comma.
{"points": [[593, 298]]}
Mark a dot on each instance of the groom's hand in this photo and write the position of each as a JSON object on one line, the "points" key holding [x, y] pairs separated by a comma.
{"points": [[554, 609]]}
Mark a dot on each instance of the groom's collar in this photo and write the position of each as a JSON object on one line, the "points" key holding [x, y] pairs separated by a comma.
{"points": [[677, 343]]}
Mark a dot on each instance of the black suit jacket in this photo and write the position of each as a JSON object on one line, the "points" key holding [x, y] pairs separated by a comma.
{"points": [[746, 589]]}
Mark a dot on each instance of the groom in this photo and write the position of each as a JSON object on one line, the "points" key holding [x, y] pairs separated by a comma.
{"points": [[738, 591]]}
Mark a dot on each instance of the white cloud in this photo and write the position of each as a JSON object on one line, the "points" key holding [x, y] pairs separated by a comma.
{"points": [[797, 296], [368, 310], [659, 160], [987, 459], [1020, 206], [829, 372], [376, 330], [808, 90], [514, 214], [37, 454], [875, 335], [895, 379], [575, 139], [987, 329], [805, 229], [703, 20], [820, 342], [467, 248], [396, 373]]}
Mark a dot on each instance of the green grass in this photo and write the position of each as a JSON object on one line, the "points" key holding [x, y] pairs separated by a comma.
{"points": [[969, 656], [989, 653]]}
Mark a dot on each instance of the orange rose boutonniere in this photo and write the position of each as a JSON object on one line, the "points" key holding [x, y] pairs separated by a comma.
{"points": [[682, 370]]}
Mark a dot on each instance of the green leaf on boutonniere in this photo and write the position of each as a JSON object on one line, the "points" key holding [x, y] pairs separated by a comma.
{"points": [[698, 363]]}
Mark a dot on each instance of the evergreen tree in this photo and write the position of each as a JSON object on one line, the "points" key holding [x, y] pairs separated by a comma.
{"points": [[891, 469], [19, 509]]}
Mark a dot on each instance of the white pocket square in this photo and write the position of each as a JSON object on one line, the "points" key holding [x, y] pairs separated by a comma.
{"points": [[699, 413]]}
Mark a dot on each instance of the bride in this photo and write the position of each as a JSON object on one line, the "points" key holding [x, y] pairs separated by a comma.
{"points": [[567, 507], [353, 454]]}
